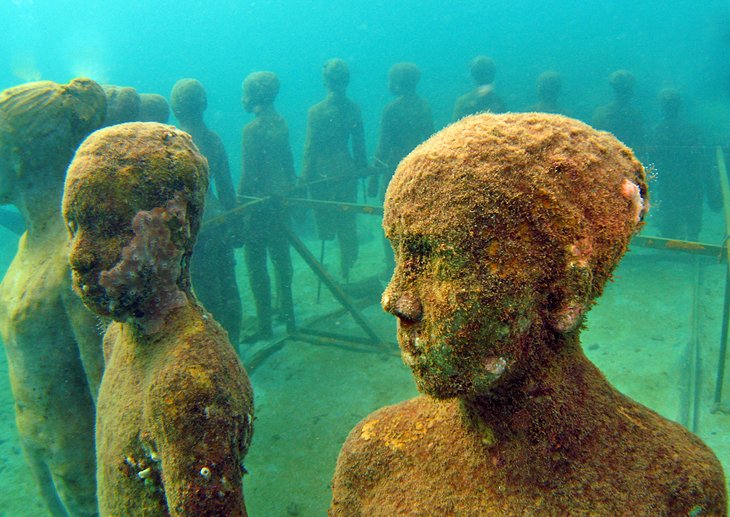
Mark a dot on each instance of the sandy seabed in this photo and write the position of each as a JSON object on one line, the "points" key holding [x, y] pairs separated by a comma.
{"points": [[309, 396]]}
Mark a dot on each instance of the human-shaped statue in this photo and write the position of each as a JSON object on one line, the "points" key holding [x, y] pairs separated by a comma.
{"points": [[175, 408], [334, 128], [213, 269], [549, 85], [51, 340], [406, 122], [482, 98], [153, 107], [505, 229], [683, 171], [123, 104], [620, 117], [268, 171]]}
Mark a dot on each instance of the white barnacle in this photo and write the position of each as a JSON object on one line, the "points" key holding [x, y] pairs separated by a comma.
{"points": [[495, 365], [205, 473]]}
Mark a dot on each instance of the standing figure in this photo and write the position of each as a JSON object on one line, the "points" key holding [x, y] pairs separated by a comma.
{"points": [[52, 343], [482, 98], [406, 122], [506, 229], [213, 269], [268, 171], [175, 409], [620, 117], [549, 85], [683, 172], [334, 126]]}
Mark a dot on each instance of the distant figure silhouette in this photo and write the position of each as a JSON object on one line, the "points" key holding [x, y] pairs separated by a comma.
{"points": [[620, 117], [549, 85], [268, 170], [213, 269], [405, 123], [683, 171], [506, 229], [482, 98], [334, 157]]}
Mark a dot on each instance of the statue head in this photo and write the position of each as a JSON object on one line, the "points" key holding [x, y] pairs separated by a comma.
{"points": [[403, 78], [483, 70], [260, 90], [153, 108], [122, 104], [623, 83], [670, 102], [188, 100], [336, 75], [133, 204], [505, 229], [41, 124], [548, 86]]}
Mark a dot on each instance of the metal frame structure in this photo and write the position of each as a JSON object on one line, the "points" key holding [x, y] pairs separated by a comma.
{"points": [[309, 332]]}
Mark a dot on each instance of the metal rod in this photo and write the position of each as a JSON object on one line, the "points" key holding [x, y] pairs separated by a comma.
{"points": [[319, 279], [333, 286], [725, 189]]}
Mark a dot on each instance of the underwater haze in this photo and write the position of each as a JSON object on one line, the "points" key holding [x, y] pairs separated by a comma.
{"points": [[150, 45], [308, 395]]}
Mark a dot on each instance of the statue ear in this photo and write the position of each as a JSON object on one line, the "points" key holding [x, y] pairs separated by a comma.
{"points": [[570, 299]]}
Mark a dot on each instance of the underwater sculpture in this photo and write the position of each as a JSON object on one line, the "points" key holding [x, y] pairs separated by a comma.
{"points": [[175, 407], [334, 129], [51, 340], [482, 98], [549, 84], [153, 107], [213, 268], [620, 117], [505, 229], [268, 170], [405, 123], [685, 174], [123, 104]]}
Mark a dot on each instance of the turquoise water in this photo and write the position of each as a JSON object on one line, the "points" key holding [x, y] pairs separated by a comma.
{"points": [[309, 396]]}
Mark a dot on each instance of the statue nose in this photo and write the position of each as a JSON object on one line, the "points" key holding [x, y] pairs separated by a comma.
{"points": [[406, 306]]}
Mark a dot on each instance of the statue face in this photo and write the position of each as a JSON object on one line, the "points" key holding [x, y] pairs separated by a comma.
{"points": [[97, 239], [459, 323]]}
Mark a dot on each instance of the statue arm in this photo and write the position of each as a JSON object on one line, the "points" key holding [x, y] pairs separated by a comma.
{"points": [[249, 164], [200, 438], [85, 327], [358, 142], [220, 172], [308, 168]]}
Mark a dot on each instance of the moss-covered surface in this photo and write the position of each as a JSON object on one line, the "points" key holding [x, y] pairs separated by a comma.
{"points": [[538, 209]]}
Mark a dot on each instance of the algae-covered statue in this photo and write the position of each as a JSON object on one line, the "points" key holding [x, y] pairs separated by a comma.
{"points": [[123, 104], [405, 123], [153, 107], [620, 116], [483, 97], [334, 157], [213, 268], [268, 170], [505, 229], [175, 408], [51, 340]]}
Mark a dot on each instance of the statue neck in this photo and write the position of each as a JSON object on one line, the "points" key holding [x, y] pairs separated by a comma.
{"points": [[40, 206]]}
